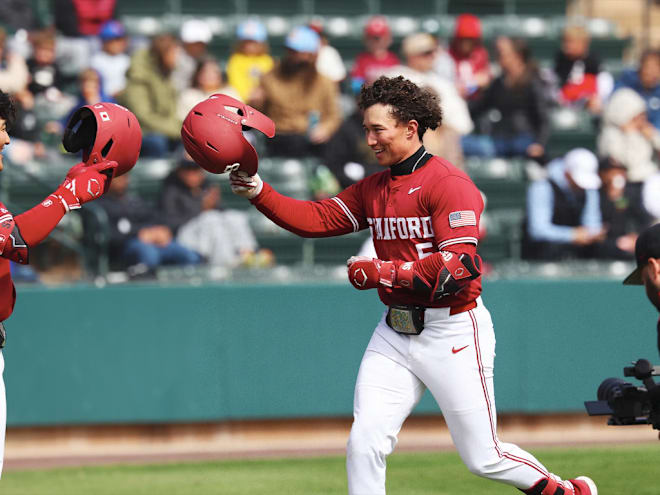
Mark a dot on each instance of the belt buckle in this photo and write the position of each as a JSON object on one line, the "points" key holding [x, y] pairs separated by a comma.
{"points": [[402, 320]]}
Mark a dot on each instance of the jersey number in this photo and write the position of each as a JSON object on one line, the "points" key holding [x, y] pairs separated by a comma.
{"points": [[421, 253]]}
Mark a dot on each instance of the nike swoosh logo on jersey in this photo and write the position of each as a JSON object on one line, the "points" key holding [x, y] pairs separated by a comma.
{"points": [[454, 350], [413, 189]]}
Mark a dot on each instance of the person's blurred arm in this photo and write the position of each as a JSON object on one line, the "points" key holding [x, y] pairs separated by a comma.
{"points": [[591, 215], [330, 115], [540, 205]]}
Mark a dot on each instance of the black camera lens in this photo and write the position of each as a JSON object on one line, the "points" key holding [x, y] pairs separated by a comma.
{"points": [[611, 388]]}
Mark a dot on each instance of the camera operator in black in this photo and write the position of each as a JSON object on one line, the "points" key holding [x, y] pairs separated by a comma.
{"points": [[647, 273]]}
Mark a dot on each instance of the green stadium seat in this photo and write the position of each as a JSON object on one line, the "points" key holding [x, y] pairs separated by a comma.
{"points": [[341, 7], [268, 7], [477, 7], [420, 8], [503, 234], [209, 7], [540, 7], [147, 7]]}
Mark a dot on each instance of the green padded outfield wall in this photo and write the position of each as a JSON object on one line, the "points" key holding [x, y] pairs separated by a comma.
{"points": [[145, 354]]}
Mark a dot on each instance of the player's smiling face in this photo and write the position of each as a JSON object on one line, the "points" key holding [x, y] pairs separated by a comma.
{"points": [[4, 139], [391, 140]]}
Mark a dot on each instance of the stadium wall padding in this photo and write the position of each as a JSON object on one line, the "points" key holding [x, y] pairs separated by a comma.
{"points": [[154, 354]]}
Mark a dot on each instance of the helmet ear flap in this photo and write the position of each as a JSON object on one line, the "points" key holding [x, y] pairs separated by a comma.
{"points": [[80, 131]]}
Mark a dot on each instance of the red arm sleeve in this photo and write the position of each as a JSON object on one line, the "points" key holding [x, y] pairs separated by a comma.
{"points": [[36, 223], [329, 217]]}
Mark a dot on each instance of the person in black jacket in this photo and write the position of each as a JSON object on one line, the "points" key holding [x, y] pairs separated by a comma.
{"points": [[622, 217], [139, 239], [186, 193], [192, 209], [516, 106]]}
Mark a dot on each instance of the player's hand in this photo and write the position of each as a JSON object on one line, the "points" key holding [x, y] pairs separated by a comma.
{"points": [[368, 273], [245, 185], [84, 183]]}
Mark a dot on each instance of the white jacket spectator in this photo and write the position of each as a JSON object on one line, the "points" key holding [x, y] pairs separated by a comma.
{"points": [[13, 70], [627, 136]]}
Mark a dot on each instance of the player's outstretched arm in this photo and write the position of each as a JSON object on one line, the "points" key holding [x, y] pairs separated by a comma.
{"points": [[324, 218], [82, 184]]}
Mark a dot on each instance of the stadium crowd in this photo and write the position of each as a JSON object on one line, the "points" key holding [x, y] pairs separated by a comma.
{"points": [[586, 203]]}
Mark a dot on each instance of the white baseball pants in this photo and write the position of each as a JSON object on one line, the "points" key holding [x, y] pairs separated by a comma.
{"points": [[453, 357]]}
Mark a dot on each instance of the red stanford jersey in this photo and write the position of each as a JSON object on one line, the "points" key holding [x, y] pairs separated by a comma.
{"points": [[437, 207]]}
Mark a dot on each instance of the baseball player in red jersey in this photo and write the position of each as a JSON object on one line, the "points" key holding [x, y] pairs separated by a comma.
{"points": [[423, 214], [18, 234]]}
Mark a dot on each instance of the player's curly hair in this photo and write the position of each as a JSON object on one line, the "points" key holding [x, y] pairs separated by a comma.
{"points": [[408, 101], [7, 108]]}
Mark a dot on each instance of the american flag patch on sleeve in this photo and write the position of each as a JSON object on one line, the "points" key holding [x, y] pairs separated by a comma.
{"points": [[462, 218]]}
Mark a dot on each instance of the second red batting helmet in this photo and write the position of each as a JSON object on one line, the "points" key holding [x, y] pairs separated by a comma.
{"points": [[212, 134], [104, 131]]}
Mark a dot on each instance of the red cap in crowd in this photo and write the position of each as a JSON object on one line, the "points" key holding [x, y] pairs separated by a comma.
{"points": [[467, 26], [377, 27]]}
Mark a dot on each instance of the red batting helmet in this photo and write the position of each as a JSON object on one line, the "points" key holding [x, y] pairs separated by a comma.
{"points": [[104, 131], [212, 134]]}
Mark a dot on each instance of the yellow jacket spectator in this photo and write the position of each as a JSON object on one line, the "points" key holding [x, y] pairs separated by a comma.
{"points": [[250, 60]]}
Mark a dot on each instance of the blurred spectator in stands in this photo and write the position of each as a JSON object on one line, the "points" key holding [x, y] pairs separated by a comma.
{"points": [[82, 17], [27, 131], [206, 80], [629, 138], [651, 197], [47, 84], [515, 105], [112, 61], [45, 72], [302, 103], [622, 219], [13, 69], [371, 63], [420, 51], [153, 98], [90, 91], [646, 81], [77, 22], [195, 37], [139, 239], [250, 59], [328, 62], [578, 71], [563, 217], [444, 65], [17, 14], [470, 56], [192, 206]]}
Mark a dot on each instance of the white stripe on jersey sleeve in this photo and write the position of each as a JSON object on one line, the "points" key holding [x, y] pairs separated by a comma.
{"points": [[458, 240], [342, 205]]}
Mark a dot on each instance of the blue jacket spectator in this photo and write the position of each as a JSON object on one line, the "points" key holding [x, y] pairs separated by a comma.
{"points": [[563, 210], [646, 82]]}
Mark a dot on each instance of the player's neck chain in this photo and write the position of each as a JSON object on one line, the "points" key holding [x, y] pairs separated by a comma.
{"points": [[412, 163]]}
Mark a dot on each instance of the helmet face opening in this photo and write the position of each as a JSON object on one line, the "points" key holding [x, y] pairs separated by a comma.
{"points": [[80, 132], [104, 131]]}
